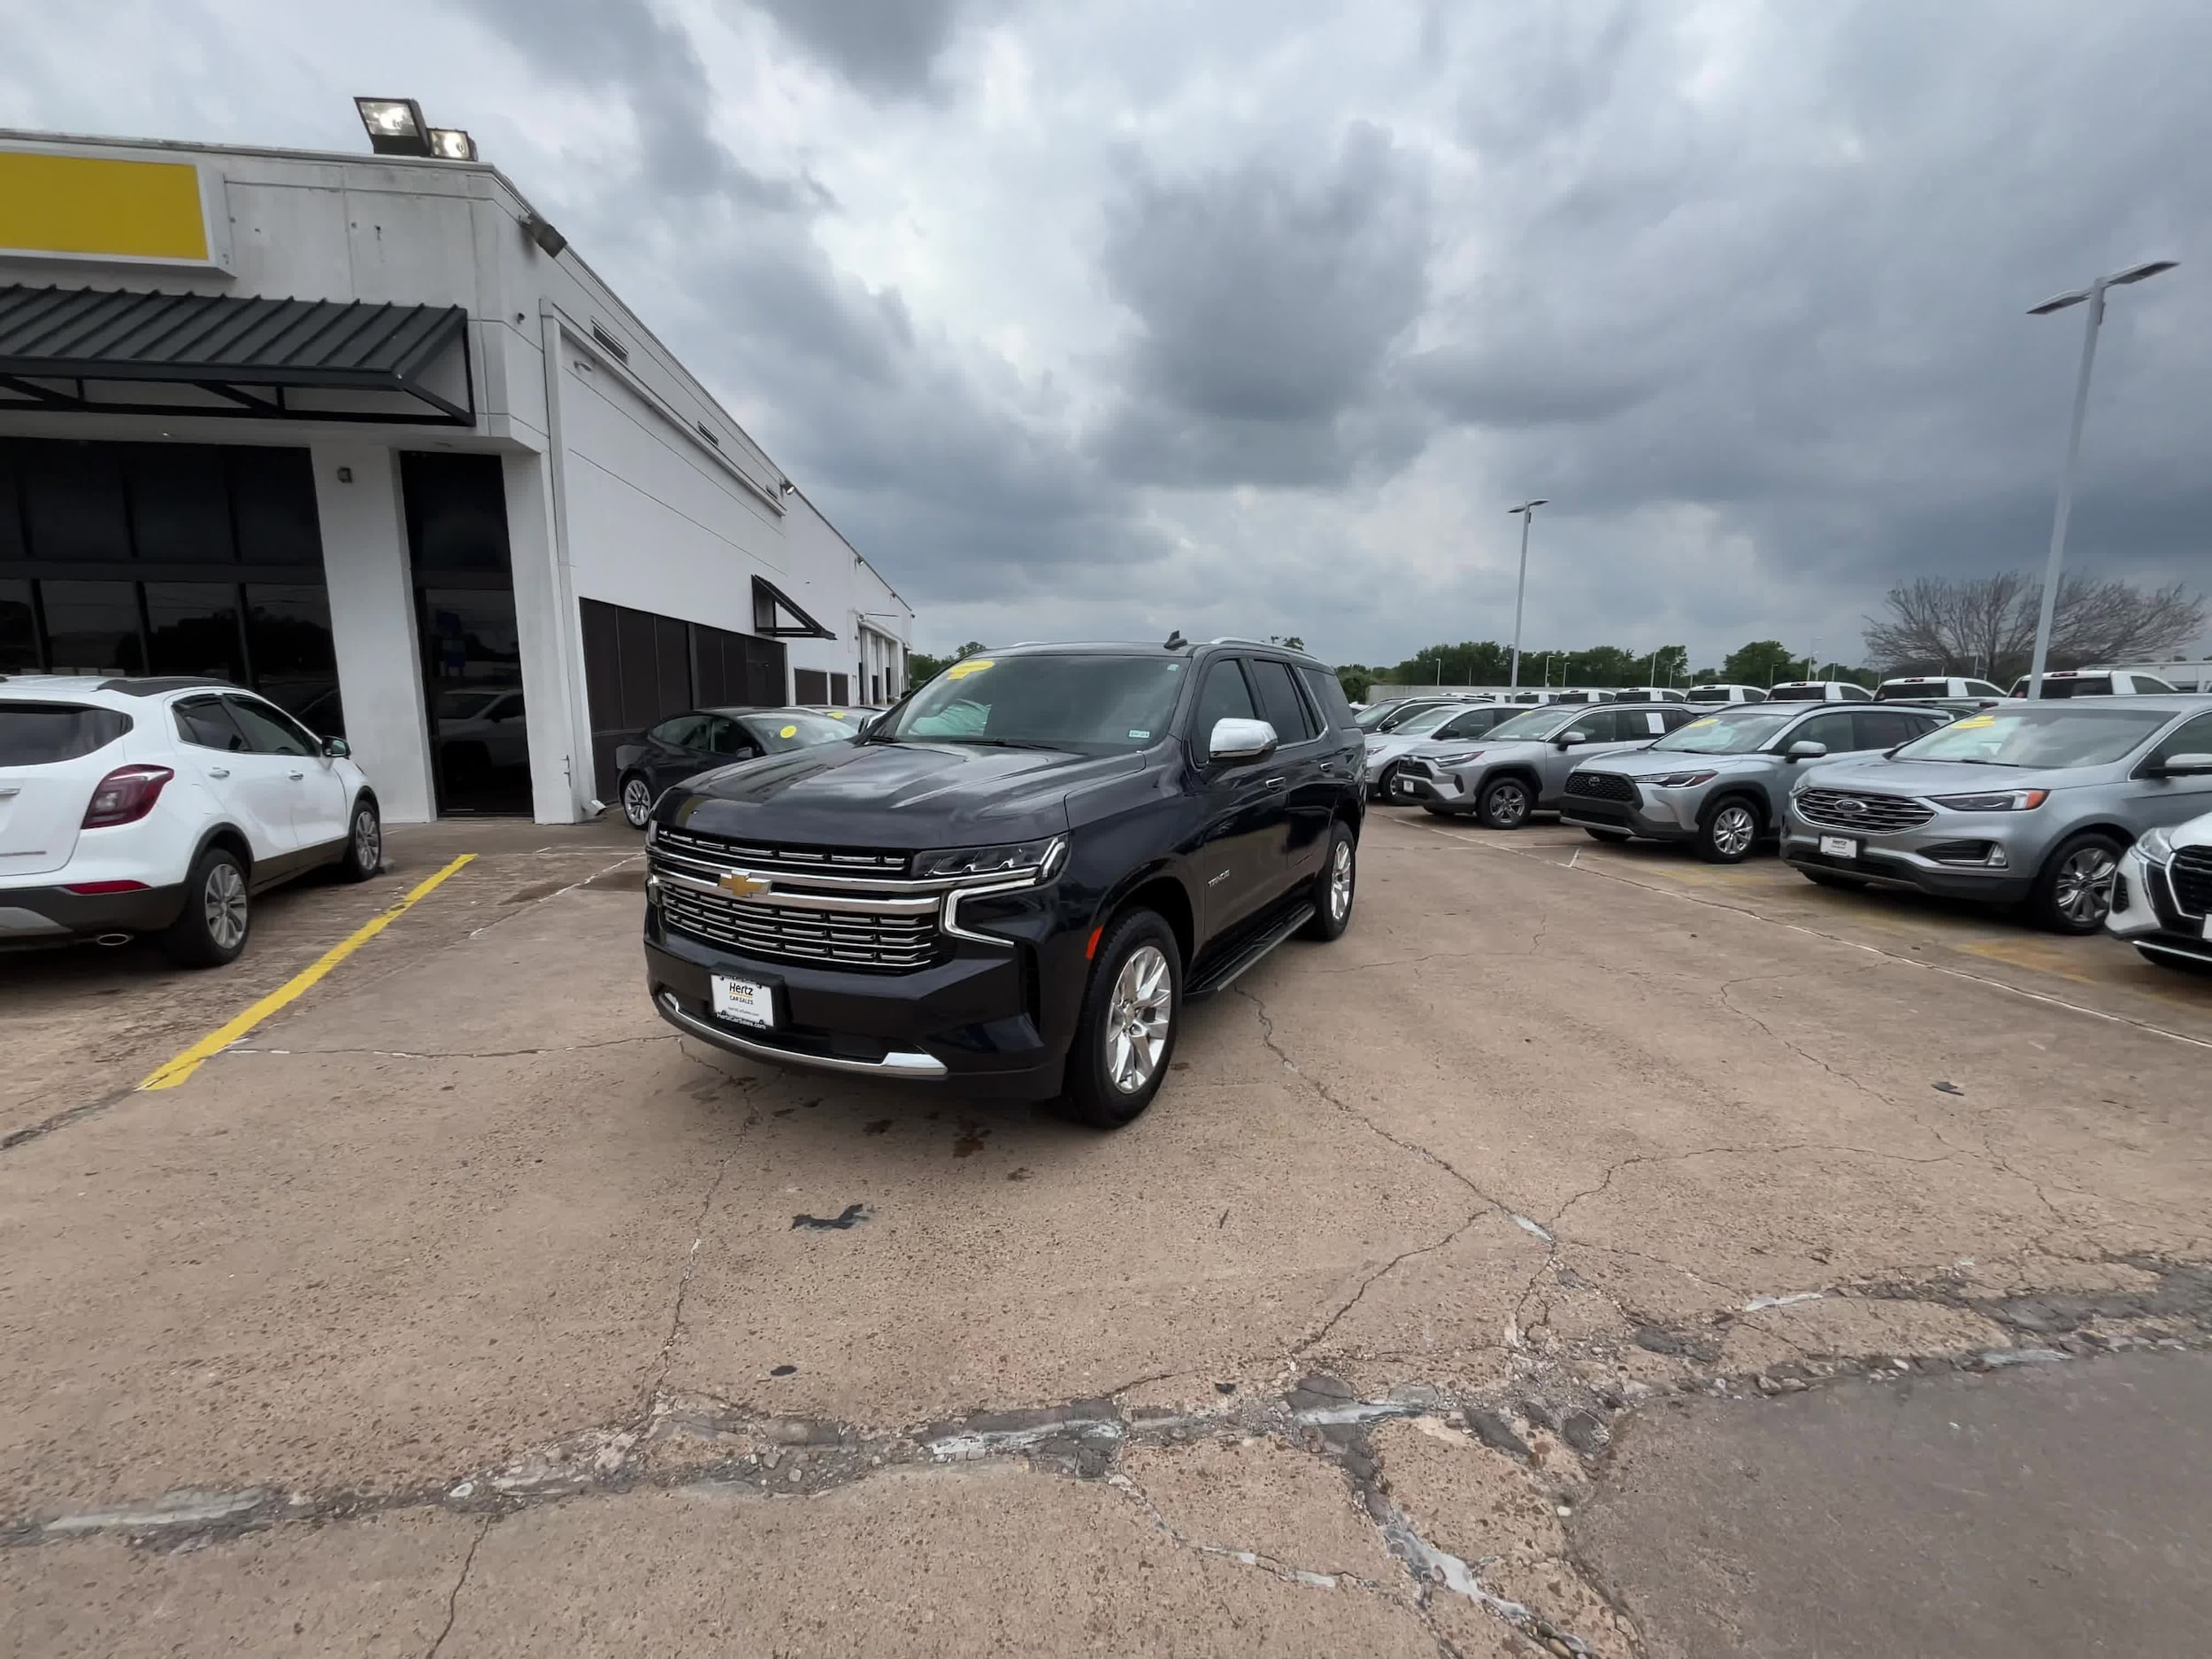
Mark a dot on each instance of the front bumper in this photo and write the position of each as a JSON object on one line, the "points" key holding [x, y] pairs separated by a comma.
{"points": [[1422, 784], [973, 1020], [2146, 913], [1904, 858], [32, 917], [1659, 815]]}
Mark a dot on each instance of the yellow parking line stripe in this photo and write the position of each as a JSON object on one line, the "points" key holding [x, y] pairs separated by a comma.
{"points": [[174, 1072]]}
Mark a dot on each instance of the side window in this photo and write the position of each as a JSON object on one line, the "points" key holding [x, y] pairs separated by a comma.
{"points": [[1883, 728], [1833, 730], [1328, 696], [1857, 694], [1982, 688], [725, 736], [1286, 709], [1225, 696], [2150, 683], [203, 723], [1675, 718], [268, 732], [684, 731], [2191, 737], [1474, 723]]}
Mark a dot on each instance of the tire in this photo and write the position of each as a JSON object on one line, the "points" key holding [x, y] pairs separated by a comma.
{"points": [[1830, 878], [1505, 803], [364, 843], [1332, 906], [218, 914], [1727, 830], [2073, 890], [1137, 945], [636, 796], [1612, 837]]}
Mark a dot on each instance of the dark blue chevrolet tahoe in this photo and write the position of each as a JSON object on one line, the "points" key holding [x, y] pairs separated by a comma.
{"points": [[1010, 884]]}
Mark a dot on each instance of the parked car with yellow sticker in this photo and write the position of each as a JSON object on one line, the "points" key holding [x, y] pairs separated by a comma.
{"points": [[699, 740]]}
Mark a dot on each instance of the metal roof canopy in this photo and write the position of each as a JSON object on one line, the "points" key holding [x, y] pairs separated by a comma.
{"points": [[102, 351]]}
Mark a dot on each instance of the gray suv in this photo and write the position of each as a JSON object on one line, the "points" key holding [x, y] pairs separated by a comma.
{"points": [[2030, 802], [1721, 782], [1520, 765]]}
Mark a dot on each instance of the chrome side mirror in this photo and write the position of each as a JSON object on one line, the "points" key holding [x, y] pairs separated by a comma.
{"points": [[1805, 749], [1241, 739]]}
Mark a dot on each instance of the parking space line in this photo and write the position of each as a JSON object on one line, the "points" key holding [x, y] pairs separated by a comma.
{"points": [[1834, 939], [172, 1073]]}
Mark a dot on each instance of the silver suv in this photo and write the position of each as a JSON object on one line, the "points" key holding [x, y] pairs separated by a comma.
{"points": [[1520, 765], [1721, 782], [2032, 801]]}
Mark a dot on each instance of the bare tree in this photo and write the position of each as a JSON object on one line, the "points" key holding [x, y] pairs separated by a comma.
{"points": [[1986, 625]]}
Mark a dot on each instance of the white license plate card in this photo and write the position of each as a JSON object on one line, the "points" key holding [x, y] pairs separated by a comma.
{"points": [[744, 1001], [2207, 927], [1839, 847]]}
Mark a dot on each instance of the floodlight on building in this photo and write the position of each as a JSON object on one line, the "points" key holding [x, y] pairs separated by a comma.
{"points": [[541, 231], [451, 143], [395, 126]]}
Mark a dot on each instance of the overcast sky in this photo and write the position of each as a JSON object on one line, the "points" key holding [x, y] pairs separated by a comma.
{"points": [[1112, 316]]}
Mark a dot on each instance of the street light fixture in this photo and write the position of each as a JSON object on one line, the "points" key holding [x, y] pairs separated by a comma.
{"points": [[2093, 296], [1527, 511]]}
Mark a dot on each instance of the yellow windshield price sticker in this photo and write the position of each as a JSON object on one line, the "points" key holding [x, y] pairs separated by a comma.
{"points": [[1711, 719], [834, 714], [973, 665], [1974, 721], [789, 730]]}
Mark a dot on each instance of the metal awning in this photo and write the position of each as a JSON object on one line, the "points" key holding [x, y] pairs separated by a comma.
{"points": [[94, 351]]}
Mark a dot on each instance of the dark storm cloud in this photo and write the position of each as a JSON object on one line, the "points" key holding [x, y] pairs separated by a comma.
{"points": [[628, 46], [1267, 298], [886, 46]]}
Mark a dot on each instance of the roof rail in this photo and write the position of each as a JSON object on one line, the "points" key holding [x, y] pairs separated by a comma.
{"points": [[1238, 638]]}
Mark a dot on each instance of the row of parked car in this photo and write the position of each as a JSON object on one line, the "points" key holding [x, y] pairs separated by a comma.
{"points": [[2088, 811]]}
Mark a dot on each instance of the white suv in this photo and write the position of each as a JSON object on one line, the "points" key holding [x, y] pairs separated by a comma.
{"points": [[160, 806]]}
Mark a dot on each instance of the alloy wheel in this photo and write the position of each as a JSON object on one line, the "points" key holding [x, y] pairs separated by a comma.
{"points": [[1341, 882], [223, 902], [1508, 805], [1733, 829], [637, 802], [368, 840], [1137, 1019], [2082, 892]]}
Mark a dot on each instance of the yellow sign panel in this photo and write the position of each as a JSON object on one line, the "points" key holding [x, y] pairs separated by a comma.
{"points": [[99, 208]]}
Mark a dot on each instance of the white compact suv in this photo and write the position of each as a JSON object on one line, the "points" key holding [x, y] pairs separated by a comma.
{"points": [[160, 807], [2162, 895]]}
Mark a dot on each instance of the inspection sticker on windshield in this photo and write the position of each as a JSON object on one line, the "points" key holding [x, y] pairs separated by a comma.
{"points": [[1839, 847], [744, 1001], [1136, 736], [973, 665], [789, 730]]}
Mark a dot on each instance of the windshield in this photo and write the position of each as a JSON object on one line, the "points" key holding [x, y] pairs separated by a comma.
{"points": [[1737, 732], [776, 733], [1086, 703], [2040, 737], [1890, 689], [1536, 722], [1368, 719], [1421, 724]]}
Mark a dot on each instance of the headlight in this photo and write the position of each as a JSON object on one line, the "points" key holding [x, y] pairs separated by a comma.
{"points": [[1040, 859], [2156, 846], [1461, 758], [1682, 779], [1996, 801]]}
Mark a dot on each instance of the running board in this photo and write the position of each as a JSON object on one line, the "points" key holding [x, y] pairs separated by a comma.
{"points": [[1227, 974]]}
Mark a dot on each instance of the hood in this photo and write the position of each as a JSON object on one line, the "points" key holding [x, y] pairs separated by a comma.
{"points": [[1643, 762], [894, 795], [1513, 749], [1942, 777], [2196, 833]]}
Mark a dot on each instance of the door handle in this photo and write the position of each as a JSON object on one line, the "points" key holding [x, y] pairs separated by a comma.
{"points": [[296, 776], [1273, 783], [219, 772]]}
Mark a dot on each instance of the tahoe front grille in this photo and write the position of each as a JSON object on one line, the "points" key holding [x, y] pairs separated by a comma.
{"points": [[1875, 814], [2191, 875], [786, 933], [1602, 785], [725, 853]]}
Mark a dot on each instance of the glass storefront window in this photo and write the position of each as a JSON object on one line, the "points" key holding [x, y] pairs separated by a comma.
{"points": [[179, 507], [92, 628], [73, 502], [288, 631], [272, 493], [192, 628], [469, 645], [19, 634]]}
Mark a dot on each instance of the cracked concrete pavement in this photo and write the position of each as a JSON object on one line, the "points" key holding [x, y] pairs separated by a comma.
{"points": [[1438, 1307]]}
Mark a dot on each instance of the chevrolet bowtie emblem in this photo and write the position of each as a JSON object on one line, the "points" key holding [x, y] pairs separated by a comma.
{"points": [[740, 884]]}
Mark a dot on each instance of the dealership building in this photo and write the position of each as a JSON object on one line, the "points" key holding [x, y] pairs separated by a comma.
{"points": [[364, 433]]}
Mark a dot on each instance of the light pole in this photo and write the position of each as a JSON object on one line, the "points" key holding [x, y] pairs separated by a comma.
{"points": [[2094, 296], [1527, 510]]}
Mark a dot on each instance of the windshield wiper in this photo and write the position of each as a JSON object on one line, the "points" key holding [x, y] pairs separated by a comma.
{"points": [[999, 742]]}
